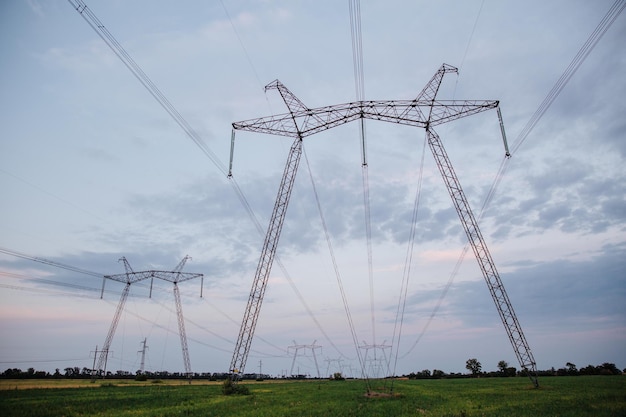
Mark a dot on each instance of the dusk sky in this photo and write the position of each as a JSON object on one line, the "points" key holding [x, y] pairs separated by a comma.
{"points": [[93, 169]]}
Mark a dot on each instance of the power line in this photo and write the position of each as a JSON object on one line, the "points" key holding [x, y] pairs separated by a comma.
{"points": [[141, 76], [49, 262], [397, 330], [136, 70], [336, 269], [359, 83], [571, 69], [577, 61], [243, 47]]}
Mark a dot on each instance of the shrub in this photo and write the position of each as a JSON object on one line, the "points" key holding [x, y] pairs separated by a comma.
{"points": [[229, 388]]}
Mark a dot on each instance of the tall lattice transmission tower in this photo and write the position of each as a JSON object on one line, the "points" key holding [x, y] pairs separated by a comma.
{"points": [[130, 277], [425, 111]]}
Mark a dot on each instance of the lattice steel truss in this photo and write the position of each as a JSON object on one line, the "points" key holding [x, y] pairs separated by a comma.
{"points": [[175, 276], [425, 111]]}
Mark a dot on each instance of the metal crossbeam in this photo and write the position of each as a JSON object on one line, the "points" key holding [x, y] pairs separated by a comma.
{"points": [[162, 275], [306, 122]]}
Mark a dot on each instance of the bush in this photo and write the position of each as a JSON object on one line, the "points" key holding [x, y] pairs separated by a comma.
{"points": [[337, 376], [230, 388]]}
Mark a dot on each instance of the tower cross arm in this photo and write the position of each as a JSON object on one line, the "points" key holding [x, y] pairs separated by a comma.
{"points": [[176, 277], [130, 277], [444, 111], [404, 112]]}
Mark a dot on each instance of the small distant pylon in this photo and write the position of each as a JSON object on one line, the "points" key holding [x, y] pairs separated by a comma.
{"points": [[376, 361], [143, 355], [339, 365], [296, 347]]}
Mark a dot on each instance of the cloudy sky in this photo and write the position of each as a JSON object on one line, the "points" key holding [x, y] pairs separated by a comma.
{"points": [[92, 169]]}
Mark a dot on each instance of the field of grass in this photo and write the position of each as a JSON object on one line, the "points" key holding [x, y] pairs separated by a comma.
{"points": [[558, 396]]}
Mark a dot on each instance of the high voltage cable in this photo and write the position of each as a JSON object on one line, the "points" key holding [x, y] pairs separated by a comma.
{"points": [[141, 76], [121, 53], [359, 83], [605, 23], [48, 281], [243, 47], [46, 361], [357, 48], [49, 262], [580, 57], [45, 291], [80, 287], [469, 42], [336, 269], [597, 34], [409, 257], [397, 329], [54, 195]]}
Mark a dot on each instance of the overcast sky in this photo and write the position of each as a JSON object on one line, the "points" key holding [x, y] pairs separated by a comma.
{"points": [[92, 169]]}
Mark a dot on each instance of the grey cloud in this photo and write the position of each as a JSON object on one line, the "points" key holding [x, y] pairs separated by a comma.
{"points": [[558, 295]]}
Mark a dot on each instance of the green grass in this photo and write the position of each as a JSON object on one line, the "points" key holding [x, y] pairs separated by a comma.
{"points": [[558, 396]]}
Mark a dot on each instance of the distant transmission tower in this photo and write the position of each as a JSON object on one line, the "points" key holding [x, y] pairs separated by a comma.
{"points": [[143, 355], [296, 347], [130, 277], [376, 361], [425, 111], [339, 366]]}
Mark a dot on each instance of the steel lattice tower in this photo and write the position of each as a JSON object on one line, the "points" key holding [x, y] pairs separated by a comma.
{"points": [[130, 277], [425, 111]]}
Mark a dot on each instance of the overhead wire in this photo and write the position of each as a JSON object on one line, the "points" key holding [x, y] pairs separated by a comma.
{"points": [[49, 262], [243, 46], [118, 49], [408, 262], [605, 23], [44, 281], [602, 27], [342, 291], [359, 84], [406, 274], [467, 47]]}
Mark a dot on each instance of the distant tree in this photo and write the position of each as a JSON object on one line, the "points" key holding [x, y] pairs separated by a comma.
{"points": [[589, 370], [437, 373], [502, 365], [609, 369], [473, 366], [571, 369], [12, 373], [57, 373], [337, 376]]}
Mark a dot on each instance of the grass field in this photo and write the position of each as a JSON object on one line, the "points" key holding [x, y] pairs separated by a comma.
{"points": [[558, 396]]}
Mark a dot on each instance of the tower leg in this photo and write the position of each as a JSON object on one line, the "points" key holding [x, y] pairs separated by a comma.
{"points": [[104, 353], [486, 263], [253, 308], [182, 333]]}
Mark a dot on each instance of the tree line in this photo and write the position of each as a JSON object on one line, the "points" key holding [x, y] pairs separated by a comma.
{"points": [[86, 373], [504, 370], [472, 365]]}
